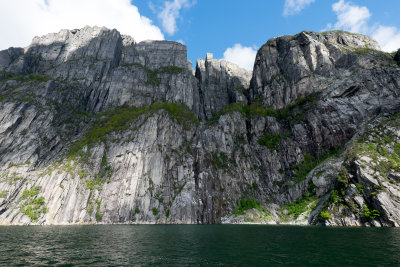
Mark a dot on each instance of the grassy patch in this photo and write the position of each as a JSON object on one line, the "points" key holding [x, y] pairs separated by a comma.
{"points": [[155, 211], [24, 78], [167, 212], [256, 109], [171, 70], [297, 208], [325, 215], [152, 75], [95, 183], [29, 193], [247, 204], [33, 206], [230, 108], [339, 32], [4, 194], [270, 140], [121, 118], [277, 78], [136, 211], [383, 150], [14, 178], [302, 169], [370, 214], [220, 160], [98, 216]]}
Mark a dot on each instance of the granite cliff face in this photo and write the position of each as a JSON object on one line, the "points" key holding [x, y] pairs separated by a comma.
{"points": [[96, 128]]}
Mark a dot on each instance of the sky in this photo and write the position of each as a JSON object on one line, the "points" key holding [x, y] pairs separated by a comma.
{"points": [[230, 29]]}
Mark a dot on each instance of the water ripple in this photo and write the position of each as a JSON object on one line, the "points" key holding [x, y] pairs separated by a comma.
{"points": [[184, 245]]}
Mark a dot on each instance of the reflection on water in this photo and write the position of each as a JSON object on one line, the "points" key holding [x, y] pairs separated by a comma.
{"points": [[174, 245]]}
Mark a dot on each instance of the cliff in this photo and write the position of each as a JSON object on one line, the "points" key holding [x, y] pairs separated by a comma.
{"points": [[96, 128]]}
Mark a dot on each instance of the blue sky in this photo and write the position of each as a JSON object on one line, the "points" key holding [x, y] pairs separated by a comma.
{"points": [[231, 29]]}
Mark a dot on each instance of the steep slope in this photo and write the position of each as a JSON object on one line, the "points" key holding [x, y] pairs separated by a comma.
{"points": [[96, 128]]}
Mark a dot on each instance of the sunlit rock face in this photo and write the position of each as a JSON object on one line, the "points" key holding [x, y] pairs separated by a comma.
{"points": [[96, 128]]}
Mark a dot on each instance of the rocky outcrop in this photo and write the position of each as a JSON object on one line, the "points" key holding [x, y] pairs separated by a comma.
{"points": [[397, 57], [96, 128], [367, 188], [221, 83], [294, 66], [8, 56]]}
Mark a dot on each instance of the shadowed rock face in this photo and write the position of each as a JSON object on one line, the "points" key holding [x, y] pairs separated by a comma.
{"points": [[96, 128], [221, 83], [290, 67]]}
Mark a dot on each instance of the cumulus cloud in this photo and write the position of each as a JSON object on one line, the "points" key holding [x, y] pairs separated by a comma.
{"points": [[293, 7], [241, 55], [21, 20], [353, 18], [171, 12], [388, 37]]}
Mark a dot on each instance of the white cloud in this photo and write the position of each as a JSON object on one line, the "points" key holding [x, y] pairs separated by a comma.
{"points": [[388, 38], [241, 55], [171, 12], [21, 20], [353, 18], [293, 7]]}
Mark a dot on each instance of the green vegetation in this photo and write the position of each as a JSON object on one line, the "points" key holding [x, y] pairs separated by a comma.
{"points": [[90, 208], [370, 214], [336, 196], [247, 204], [4, 194], [98, 215], [29, 193], [82, 174], [92, 184], [302, 169], [14, 178], [325, 215], [230, 108], [379, 144], [307, 203], [155, 211], [339, 32], [288, 112], [360, 188], [180, 188], [171, 70], [179, 112], [278, 78], [270, 140], [24, 78], [102, 176], [133, 216], [120, 119], [152, 78], [38, 78], [33, 205], [12, 164], [256, 109], [220, 160], [377, 54]]}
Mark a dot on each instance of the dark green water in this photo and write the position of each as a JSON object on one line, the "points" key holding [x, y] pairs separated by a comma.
{"points": [[192, 245]]}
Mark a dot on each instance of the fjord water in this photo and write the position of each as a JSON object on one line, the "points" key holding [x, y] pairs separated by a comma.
{"points": [[176, 245]]}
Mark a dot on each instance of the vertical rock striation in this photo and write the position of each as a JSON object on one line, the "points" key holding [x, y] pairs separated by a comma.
{"points": [[96, 128]]}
